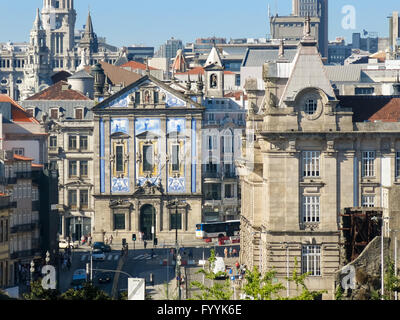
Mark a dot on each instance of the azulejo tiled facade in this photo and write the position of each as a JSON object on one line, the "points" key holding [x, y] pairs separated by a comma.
{"points": [[147, 155]]}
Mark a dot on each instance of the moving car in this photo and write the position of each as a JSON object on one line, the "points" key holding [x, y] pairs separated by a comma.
{"points": [[98, 255], [104, 277], [78, 279], [63, 244], [101, 245]]}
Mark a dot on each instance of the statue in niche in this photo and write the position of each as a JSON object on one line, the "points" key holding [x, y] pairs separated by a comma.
{"points": [[213, 81], [147, 97]]}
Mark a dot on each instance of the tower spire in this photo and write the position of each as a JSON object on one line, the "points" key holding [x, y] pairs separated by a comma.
{"points": [[37, 25]]}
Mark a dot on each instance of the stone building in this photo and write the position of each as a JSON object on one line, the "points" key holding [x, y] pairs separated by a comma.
{"points": [[308, 154], [27, 68], [67, 115], [147, 168]]}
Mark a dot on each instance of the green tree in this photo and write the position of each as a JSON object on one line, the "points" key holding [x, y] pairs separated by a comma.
{"points": [[391, 282], [88, 292], [265, 287], [37, 292], [299, 280], [218, 290], [258, 287]]}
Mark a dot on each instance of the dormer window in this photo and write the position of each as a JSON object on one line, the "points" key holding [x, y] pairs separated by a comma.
{"points": [[54, 113], [78, 113], [311, 106]]}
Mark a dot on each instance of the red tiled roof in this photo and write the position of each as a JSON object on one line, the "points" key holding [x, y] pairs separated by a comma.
{"points": [[199, 70], [236, 94], [18, 157], [134, 65], [117, 75], [59, 91], [18, 113], [372, 108]]}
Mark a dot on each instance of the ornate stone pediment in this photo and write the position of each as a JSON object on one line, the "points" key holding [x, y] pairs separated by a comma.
{"points": [[119, 203], [149, 188]]}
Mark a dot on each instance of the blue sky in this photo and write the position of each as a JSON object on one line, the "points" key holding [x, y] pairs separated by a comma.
{"points": [[152, 22]]}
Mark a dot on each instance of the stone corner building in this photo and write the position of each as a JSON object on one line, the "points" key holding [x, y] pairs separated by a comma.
{"points": [[148, 155], [310, 154]]}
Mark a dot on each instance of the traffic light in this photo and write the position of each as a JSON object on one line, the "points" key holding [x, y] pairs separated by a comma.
{"points": [[123, 242], [134, 237]]}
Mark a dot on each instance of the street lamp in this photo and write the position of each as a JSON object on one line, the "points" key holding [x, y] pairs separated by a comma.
{"points": [[47, 257], [32, 270], [376, 218]]}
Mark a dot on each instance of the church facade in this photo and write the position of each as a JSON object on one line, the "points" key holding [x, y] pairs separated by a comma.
{"points": [[148, 163]]}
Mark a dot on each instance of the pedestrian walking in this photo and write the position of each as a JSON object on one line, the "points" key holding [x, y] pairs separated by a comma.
{"points": [[230, 252], [145, 244], [111, 239], [90, 239], [226, 252], [234, 252], [106, 240]]}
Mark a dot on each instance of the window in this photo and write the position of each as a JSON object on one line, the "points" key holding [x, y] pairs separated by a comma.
{"points": [[311, 107], [54, 113], [83, 142], [310, 209], [84, 198], [53, 141], [72, 142], [228, 191], [18, 151], [311, 260], [31, 112], [83, 168], [119, 221], [72, 199], [364, 91], [148, 158], [79, 113], [368, 201], [119, 158], [397, 164], [176, 221], [237, 80], [72, 166], [311, 160], [175, 157], [368, 159]]}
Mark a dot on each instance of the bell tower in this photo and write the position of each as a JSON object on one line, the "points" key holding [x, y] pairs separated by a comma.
{"points": [[214, 75], [59, 17]]}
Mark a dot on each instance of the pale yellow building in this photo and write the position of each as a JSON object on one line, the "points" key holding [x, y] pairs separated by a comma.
{"points": [[307, 155]]}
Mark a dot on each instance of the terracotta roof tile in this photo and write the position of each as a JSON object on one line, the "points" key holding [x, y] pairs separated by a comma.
{"points": [[59, 91], [117, 75], [18, 113], [134, 65], [373, 108], [18, 157]]}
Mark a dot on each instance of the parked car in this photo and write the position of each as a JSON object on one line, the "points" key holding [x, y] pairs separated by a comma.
{"points": [[63, 244], [102, 246], [104, 277], [98, 255]]}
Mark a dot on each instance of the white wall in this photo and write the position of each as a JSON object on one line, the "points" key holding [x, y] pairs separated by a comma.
{"points": [[31, 148]]}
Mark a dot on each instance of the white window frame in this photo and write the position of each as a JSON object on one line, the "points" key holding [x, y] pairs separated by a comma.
{"points": [[311, 163], [311, 106], [368, 163], [311, 260], [368, 201], [311, 209]]}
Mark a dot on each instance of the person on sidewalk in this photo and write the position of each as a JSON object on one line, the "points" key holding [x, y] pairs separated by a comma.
{"points": [[226, 252], [111, 239], [145, 243]]}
